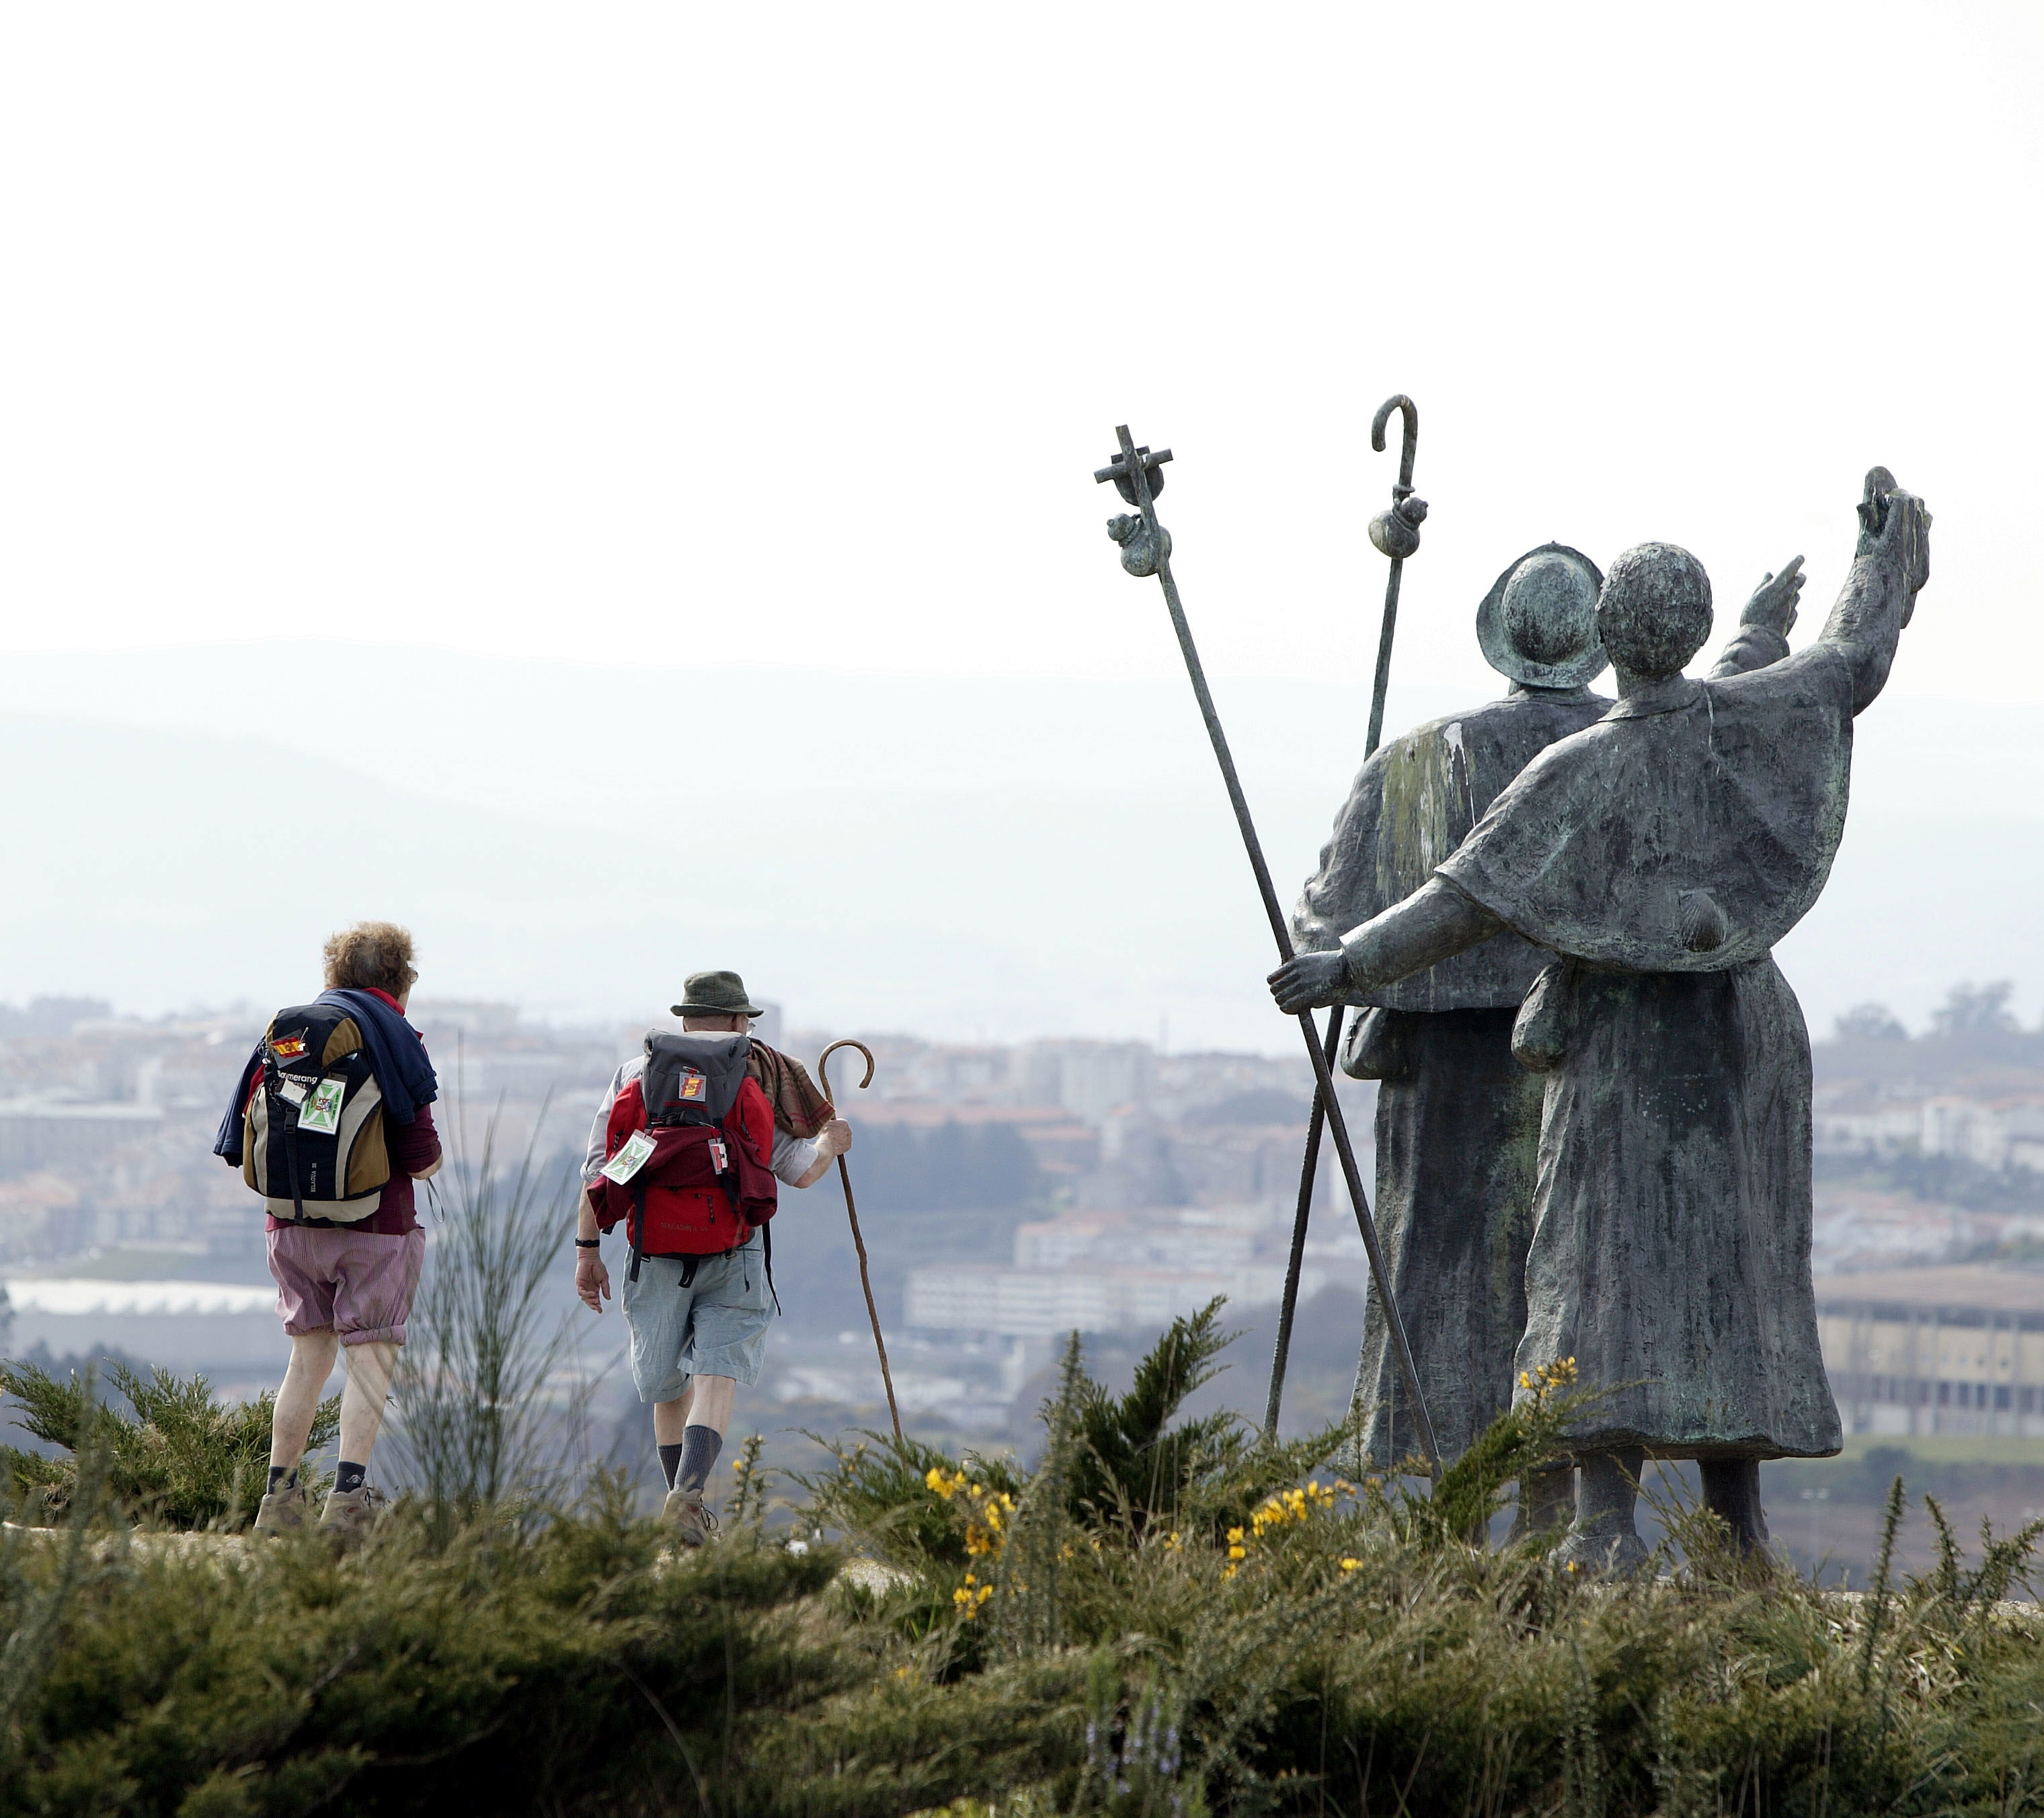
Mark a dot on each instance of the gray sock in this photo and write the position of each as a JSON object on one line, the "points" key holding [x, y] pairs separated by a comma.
{"points": [[670, 1458], [700, 1446]]}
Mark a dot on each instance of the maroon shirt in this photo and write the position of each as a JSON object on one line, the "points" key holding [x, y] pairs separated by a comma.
{"points": [[413, 1146]]}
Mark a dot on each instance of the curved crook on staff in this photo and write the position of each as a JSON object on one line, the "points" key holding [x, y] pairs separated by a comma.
{"points": [[851, 1212], [1396, 532]]}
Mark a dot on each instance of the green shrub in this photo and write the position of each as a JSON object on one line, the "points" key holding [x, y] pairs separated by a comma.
{"points": [[1159, 1624], [173, 1455]]}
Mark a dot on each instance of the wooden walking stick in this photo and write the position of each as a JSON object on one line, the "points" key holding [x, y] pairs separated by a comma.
{"points": [[851, 1212], [1146, 549], [1396, 532]]}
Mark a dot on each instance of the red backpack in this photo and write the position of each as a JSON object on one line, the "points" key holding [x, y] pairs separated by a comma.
{"points": [[687, 1152]]}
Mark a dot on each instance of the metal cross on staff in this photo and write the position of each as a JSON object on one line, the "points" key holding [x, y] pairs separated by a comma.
{"points": [[1146, 549], [1397, 533]]}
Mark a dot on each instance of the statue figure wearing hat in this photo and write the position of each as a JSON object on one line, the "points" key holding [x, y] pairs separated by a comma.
{"points": [[1457, 1118], [1657, 857]]}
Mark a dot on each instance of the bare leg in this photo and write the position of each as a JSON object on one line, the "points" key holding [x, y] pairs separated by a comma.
{"points": [[369, 1368], [711, 1407], [1604, 1538], [670, 1418], [1732, 1490], [298, 1400]]}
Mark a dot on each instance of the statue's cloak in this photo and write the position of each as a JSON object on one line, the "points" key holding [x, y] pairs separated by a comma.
{"points": [[1612, 845], [1416, 799]]}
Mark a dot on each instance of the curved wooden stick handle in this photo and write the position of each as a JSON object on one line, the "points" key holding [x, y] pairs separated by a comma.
{"points": [[823, 1063]]}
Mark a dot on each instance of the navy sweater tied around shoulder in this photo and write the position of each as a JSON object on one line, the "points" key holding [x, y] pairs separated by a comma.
{"points": [[397, 1057]]}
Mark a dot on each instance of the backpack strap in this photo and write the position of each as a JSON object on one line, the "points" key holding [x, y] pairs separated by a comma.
{"points": [[635, 1223], [289, 1113]]}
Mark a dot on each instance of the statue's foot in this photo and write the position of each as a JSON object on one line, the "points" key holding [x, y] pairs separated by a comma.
{"points": [[1605, 1555]]}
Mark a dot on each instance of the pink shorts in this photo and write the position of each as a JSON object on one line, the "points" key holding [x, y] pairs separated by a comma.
{"points": [[356, 1282]]}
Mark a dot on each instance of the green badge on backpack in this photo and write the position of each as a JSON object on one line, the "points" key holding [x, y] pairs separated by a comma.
{"points": [[630, 1158], [320, 1113]]}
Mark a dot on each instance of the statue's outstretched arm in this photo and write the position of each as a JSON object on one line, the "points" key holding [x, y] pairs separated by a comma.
{"points": [[1437, 921]]}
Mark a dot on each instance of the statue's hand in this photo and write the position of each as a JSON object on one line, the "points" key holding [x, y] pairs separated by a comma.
{"points": [[1773, 606], [1310, 981], [1906, 537], [1903, 535]]}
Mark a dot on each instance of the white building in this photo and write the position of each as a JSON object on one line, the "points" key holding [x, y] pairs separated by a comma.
{"points": [[1952, 1350], [1104, 1272], [181, 1325], [1994, 1132], [53, 1132], [1090, 1079]]}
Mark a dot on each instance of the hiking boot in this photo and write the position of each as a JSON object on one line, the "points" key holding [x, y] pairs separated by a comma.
{"points": [[350, 1514], [683, 1511], [283, 1511]]}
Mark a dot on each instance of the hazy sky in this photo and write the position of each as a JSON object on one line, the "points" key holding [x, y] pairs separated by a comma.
{"points": [[790, 336], [788, 339]]}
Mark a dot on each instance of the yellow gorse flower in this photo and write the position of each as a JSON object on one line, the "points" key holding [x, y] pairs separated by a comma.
{"points": [[1549, 1378], [970, 1597], [987, 1511], [1281, 1510]]}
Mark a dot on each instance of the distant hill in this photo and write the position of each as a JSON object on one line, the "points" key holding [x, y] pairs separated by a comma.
{"points": [[1005, 857]]}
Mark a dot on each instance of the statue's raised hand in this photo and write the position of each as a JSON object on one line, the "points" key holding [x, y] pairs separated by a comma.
{"points": [[1309, 980], [1773, 606], [1896, 523], [1906, 536]]}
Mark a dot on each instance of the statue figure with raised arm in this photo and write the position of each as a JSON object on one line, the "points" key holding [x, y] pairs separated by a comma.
{"points": [[1458, 1117], [1658, 855]]}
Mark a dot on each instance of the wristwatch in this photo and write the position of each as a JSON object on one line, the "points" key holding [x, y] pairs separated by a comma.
{"points": [[588, 1242]]}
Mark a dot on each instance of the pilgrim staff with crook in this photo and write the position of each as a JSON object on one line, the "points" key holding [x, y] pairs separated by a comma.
{"points": [[858, 1241], [1146, 549], [1397, 533]]}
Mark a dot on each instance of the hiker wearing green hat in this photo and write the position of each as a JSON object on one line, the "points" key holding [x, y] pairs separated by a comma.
{"points": [[684, 1156]]}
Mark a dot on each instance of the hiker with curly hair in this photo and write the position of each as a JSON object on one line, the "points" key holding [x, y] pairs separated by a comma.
{"points": [[331, 1122]]}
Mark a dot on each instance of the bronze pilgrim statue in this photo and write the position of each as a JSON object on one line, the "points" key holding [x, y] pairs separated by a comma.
{"points": [[1458, 1116], [1652, 859]]}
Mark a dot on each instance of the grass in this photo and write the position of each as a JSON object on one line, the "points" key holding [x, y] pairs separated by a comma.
{"points": [[1162, 1618], [489, 1410]]}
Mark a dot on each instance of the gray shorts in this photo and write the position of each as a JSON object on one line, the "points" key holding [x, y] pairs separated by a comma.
{"points": [[715, 1327]]}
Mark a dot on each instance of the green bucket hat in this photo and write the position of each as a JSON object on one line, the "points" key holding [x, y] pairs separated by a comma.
{"points": [[716, 994]]}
